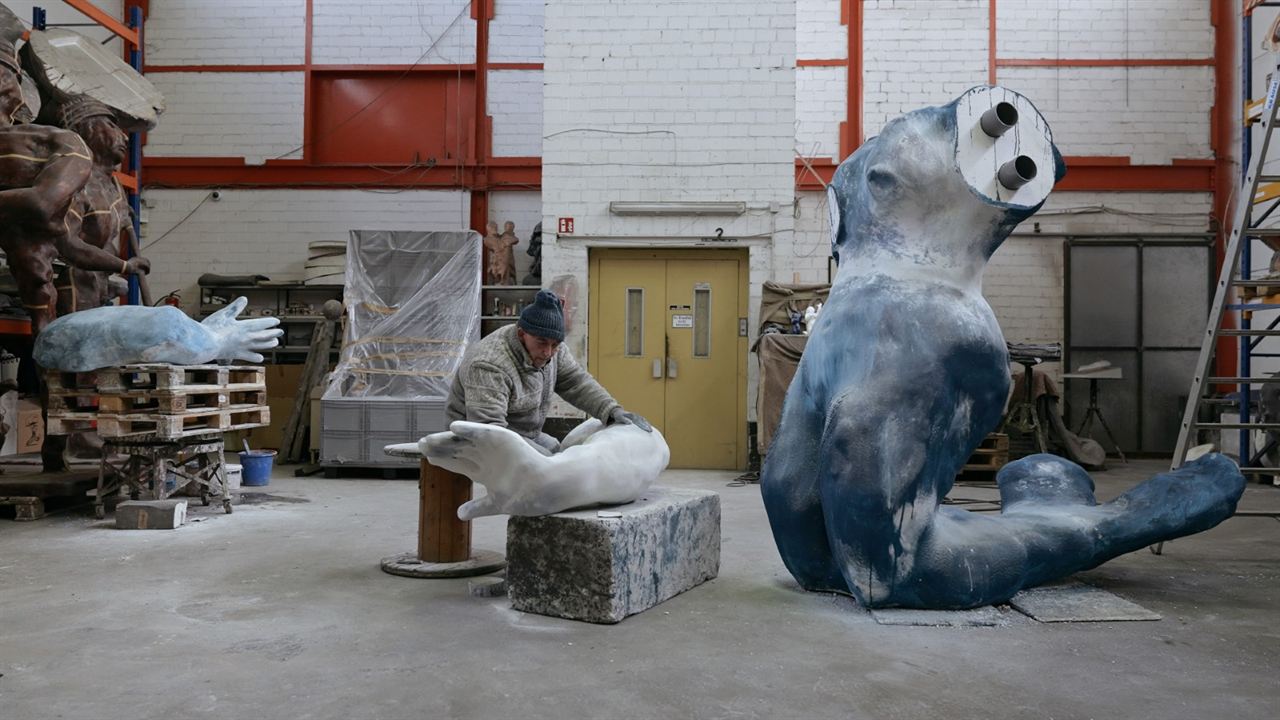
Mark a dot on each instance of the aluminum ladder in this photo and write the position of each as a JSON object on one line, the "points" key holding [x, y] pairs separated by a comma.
{"points": [[1246, 225]]}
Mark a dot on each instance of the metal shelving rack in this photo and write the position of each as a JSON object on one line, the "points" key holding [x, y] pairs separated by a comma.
{"points": [[1268, 299]]}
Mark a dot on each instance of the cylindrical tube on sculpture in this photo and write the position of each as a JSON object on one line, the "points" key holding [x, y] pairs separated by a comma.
{"points": [[997, 121], [1017, 172]]}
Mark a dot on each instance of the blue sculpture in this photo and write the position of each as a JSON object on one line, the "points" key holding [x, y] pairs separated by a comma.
{"points": [[126, 334], [907, 371]]}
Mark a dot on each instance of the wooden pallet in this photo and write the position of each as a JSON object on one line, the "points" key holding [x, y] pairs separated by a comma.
{"points": [[991, 455], [72, 401], [186, 424], [66, 422], [188, 378], [71, 383], [168, 402]]}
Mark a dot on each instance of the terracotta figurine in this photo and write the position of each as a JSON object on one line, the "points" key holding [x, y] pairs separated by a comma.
{"points": [[499, 258], [509, 242]]}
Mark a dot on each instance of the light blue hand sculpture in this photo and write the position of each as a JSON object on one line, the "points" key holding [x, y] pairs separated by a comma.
{"points": [[123, 335]]}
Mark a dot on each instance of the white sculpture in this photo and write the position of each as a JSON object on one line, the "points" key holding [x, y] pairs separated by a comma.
{"points": [[596, 465], [125, 334]]}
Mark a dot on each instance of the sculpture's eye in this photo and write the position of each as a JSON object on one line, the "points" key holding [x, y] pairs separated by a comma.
{"points": [[881, 180]]}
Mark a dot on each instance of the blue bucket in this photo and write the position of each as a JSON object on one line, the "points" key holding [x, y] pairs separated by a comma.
{"points": [[256, 467]]}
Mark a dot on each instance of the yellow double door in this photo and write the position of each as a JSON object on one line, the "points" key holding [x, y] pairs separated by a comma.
{"points": [[666, 335]]}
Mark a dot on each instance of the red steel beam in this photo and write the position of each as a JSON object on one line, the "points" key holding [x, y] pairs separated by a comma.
{"points": [[308, 82], [183, 172], [100, 16], [513, 66], [322, 68], [991, 42], [1223, 121], [853, 101], [483, 172], [851, 126], [221, 68], [834, 62]]}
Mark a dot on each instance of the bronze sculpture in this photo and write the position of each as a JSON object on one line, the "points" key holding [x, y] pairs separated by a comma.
{"points": [[101, 206]]}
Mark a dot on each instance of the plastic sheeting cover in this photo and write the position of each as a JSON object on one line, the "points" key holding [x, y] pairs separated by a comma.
{"points": [[413, 304]]}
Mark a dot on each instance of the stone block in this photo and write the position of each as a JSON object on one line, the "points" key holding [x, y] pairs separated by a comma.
{"points": [[151, 514], [603, 565]]}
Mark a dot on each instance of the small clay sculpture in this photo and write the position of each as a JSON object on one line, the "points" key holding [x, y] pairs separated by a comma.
{"points": [[500, 259], [509, 242]]}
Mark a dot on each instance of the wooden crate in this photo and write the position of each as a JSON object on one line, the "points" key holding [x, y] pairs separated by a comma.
{"points": [[191, 422], [170, 402], [187, 378], [69, 423], [991, 455], [70, 382]]}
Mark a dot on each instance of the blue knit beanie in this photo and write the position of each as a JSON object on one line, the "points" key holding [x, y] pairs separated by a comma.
{"points": [[544, 317]]}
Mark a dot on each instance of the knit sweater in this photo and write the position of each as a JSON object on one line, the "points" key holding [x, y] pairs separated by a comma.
{"points": [[498, 384]]}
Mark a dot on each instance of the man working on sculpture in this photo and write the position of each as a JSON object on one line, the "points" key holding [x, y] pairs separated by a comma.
{"points": [[507, 378]]}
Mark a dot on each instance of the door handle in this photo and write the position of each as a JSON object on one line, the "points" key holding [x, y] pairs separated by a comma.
{"points": [[657, 368], [672, 368]]}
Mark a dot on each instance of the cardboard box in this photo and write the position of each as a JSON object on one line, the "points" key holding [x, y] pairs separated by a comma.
{"points": [[29, 427], [9, 423], [282, 390], [317, 393]]}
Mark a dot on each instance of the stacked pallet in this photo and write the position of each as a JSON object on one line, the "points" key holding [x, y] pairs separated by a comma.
{"points": [[991, 455], [169, 402]]}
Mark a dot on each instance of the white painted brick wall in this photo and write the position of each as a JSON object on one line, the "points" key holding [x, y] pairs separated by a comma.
{"points": [[1024, 285], [228, 32], [1104, 29], [515, 104], [819, 34], [1150, 212], [805, 260], [267, 231], [56, 12], [515, 33], [525, 210], [675, 101], [821, 99], [250, 115], [1150, 114], [667, 101], [918, 53], [393, 32]]}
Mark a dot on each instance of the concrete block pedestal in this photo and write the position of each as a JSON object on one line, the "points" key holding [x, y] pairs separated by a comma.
{"points": [[601, 565], [151, 514]]}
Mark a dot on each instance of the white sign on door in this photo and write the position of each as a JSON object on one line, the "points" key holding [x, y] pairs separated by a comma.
{"points": [[681, 321]]}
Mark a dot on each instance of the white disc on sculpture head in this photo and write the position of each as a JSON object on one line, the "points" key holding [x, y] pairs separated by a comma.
{"points": [[66, 63], [981, 156]]}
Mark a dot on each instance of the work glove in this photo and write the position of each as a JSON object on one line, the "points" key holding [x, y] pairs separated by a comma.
{"points": [[623, 417]]}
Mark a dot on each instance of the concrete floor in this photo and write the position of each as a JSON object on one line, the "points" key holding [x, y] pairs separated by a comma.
{"points": [[280, 611]]}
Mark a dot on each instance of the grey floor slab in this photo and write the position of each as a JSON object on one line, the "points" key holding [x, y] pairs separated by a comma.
{"points": [[1074, 601]]}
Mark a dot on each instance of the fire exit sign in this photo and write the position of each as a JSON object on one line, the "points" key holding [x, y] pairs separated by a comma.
{"points": [[564, 226]]}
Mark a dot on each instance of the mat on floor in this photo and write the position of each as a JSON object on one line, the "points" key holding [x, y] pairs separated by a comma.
{"points": [[1073, 601], [978, 617]]}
